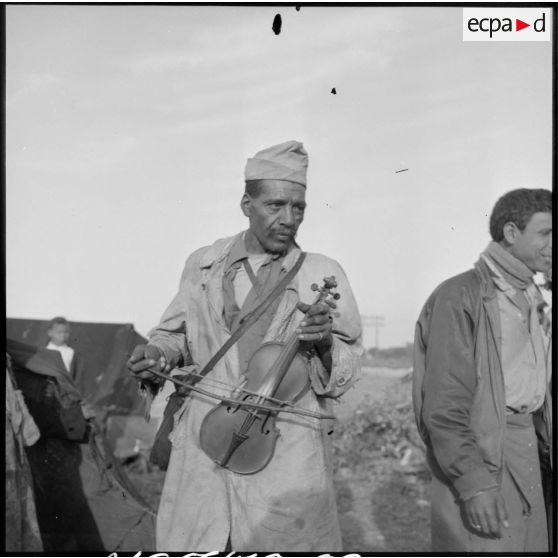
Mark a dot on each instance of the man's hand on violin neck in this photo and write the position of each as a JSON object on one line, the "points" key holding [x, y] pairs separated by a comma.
{"points": [[145, 357], [317, 324]]}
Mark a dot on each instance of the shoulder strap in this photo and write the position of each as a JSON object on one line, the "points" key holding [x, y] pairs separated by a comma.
{"points": [[253, 279], [252, 316]]}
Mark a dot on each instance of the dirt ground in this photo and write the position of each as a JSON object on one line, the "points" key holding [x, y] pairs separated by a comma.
{"points": [[382, 501], [383, 504]]}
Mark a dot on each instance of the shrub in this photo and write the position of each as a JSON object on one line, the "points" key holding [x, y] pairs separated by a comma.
{"points": [[385, 429]]}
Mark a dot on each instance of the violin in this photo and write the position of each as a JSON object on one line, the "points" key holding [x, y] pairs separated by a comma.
{"points": [[239, 434]]}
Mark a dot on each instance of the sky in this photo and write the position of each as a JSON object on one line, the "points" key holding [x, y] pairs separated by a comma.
{"points": [[128, 128]]}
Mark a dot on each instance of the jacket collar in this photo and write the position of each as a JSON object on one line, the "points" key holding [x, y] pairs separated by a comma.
{"points": [[221, 249], [489, 302], [488, 288]]}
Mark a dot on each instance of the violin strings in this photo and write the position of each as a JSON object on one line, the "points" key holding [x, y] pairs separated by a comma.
{"points": [[212, 382], [293, 408]]}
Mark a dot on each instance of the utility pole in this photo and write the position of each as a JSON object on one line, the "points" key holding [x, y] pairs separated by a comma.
{"points": [[377, 322]]}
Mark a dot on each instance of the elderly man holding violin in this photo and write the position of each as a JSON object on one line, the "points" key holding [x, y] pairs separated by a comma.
{"points": [[263, 338]]}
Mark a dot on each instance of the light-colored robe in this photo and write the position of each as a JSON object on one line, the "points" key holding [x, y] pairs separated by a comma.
{"points": [[290, 504]]}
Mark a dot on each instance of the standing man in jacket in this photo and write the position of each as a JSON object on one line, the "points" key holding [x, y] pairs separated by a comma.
{"points": [[481, 382], [289, 505], [59, 334], [59, 330]]}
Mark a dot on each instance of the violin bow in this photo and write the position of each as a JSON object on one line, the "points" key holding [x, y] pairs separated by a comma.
{"points": [[293, 409], [329, 284]]}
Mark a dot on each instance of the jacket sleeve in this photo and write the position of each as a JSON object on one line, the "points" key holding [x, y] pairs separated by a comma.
{"points": [[346, 350], [170, 335], [448, 389]]}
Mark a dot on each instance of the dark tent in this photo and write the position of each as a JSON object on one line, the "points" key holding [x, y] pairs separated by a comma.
{"points": [[104, 382], [84, 500], [104, 349]]}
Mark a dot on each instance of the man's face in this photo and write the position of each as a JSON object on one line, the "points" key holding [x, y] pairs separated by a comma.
{"points": [[275, 215], [59, 334], [533, 245]]}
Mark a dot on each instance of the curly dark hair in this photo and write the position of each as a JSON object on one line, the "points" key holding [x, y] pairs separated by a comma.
{"points": [[518, 206]]}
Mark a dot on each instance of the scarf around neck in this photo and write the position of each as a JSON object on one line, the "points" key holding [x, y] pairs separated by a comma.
{"points": [[516, 273]]}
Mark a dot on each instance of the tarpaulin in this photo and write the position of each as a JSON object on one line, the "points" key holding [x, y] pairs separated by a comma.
{"points": [[84, 501]]}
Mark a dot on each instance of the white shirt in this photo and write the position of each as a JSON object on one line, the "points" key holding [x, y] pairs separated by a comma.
{"points": [[66, 352]]}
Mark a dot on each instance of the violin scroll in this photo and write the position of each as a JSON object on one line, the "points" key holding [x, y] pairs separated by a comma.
{"points": [[325, 290]]}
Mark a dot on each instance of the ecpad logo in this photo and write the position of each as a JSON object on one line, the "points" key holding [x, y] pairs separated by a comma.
{"points": [[494, 24], [506, 24]]}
